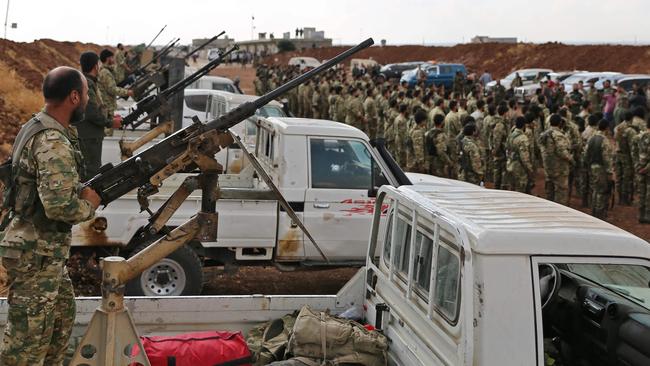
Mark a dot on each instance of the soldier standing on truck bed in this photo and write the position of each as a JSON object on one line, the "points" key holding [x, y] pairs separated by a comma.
{"points": [[43, 200], [599, 159]]}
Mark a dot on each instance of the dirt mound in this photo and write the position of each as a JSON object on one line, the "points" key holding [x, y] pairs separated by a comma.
{"points": [[501, 59]]}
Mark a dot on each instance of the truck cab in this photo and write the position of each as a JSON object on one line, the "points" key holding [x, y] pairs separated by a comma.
{"points": [[470, 276]]}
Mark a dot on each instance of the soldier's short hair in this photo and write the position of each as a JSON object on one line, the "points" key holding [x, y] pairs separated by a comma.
{"points": [[480, 104], [520, 122], [469, 129], [541, 99], [603, 125], [628, 115], [452, 104], [586, 104], [438, 119], [88, 60], [555, 119], [420, 116], [592, 120], [105, 54], [503, 109], [492, 109], [562, 112], [512, 103], [440, 102], [639, 112], [392, 102], [467, 120], [58, 86], [403, 108]]}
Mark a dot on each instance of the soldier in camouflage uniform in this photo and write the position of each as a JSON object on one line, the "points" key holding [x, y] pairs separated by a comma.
{"points": [[437, 139], [354, 111], [371, 114], [108, 88], [624, 134], [519, 165], [599, 159], [324, 89], [418, 159], [497, 140], [121, 66], [643, 175], [44, 201], [91, 128], [389, 126], [339, 105], [315, 103], [471, 166], [453, 128], [438, 109], [401, 127], [557, 160]]}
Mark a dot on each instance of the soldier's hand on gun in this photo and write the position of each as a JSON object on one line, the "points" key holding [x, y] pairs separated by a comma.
{"points": [[117, 121], [91, 196]]}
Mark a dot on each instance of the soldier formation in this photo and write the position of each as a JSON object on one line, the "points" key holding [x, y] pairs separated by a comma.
{"points": [[593, 142]]}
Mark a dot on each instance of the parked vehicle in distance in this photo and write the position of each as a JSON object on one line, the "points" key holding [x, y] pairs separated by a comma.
{"points": [[394, 71], [438, 74], [304, 62], [213, 53], [528, 76], [215, 83], [628, 81], [527, 91], [587, 78]]}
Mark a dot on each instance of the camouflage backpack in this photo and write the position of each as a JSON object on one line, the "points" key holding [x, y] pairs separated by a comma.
{"points": [[430, 140], [594, 154]]}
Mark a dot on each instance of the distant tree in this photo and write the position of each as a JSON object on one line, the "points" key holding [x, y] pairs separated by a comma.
{"points": [[286, 45]]}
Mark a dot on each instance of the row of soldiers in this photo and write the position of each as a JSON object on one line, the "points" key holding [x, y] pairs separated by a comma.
{"points": [[487, 138]]}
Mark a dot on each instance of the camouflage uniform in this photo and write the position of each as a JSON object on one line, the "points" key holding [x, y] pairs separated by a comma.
{"points": [[389, 131], [432, 113], [594, 98], [498, 136], [577, 171], [109, 91], [324, 99], [300, 95], [354, 113], [440, 159], [624, 135], [599, 158], [400, 125], [91, 130], [315, 104], [372, 117], [471, 167], [36, 243], [453, 127], [556, 158], [339, 109], [418, 160], [643, 179], [519, 165], [120, 65]]}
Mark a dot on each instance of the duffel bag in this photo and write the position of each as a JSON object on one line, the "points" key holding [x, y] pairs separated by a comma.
{"points": [[211, 348]]}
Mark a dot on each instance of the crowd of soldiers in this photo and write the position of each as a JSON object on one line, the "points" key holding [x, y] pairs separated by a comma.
{"points": [[594, 142]]}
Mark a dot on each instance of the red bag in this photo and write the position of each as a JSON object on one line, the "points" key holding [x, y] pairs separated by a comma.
{"points": [[211, 348]]}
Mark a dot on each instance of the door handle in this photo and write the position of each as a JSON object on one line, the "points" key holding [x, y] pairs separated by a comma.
{"points": [[321, 205]]}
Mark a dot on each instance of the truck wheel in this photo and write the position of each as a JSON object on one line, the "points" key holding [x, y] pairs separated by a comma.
{"points": [[180, 273]]}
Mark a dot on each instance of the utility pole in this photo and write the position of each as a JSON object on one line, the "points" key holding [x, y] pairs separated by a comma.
{"points": [[6, 18]]}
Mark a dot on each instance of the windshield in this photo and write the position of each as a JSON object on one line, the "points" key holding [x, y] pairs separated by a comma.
{"points": [[511, 76], [573, 79], [629, 281]]}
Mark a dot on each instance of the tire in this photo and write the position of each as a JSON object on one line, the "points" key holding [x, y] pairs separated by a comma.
{"points": [[179, 274]]}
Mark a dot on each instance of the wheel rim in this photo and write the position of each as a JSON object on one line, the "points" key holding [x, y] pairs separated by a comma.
{"points": [[165, 278]]}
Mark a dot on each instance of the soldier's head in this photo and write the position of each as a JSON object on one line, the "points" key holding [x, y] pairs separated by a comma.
{"points": [[438, 120], [120, 46], [420, 116], [469, 129], [639, 112], [392, 103], [467, 120], [106, 57], [370, 92], [628, 115], [607, 84], [592, 120], [586, 105], [453, 105], [575, 86], [65, 91], [562, 112], [555, 120], [403, 108], [440, 102], [541, 99], [512, 104], [502, 109], [480, 104], [603, 125], [580, 122], [89, 62], [520, 123]]}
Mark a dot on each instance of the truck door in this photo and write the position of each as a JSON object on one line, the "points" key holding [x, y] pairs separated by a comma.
{"points": [[338, 211]]}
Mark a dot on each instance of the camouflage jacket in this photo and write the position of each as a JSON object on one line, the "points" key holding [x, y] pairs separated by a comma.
{"points": [[470, 156], [518, 151], [48, 177], [370, 109], [120, 65], [605, 152], [498, 134], [418, 162], [109, 90], [644, 150], [556, 150], [95, 118], [452, 125], [624, 135], [354, 111]]}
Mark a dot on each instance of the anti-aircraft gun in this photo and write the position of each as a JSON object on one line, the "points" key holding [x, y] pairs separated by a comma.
{"points": [[137, 79], [111, 333]]}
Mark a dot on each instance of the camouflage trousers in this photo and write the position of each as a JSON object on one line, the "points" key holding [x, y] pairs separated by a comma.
{"points": [[41, 311], [599, 191], [438, 168], [453, 163], [315, 112], [469, 177], [91, 150], [518, 178], [371, 128], [625, 177], [644, 196], [498, 171], [557, 186]]}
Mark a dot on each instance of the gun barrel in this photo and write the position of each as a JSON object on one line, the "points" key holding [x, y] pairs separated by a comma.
{"points": [[156, 37], [199, 48], [222, 123]]}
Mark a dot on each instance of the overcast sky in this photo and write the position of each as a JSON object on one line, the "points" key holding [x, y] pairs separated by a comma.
{"points": [[345, 21]]}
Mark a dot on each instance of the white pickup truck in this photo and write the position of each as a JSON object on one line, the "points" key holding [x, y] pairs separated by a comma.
{"points": [[322, 168], [460, 275]]}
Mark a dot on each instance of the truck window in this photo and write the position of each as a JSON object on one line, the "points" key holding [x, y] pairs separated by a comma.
{"points": [[447, 277], [445, 70], [400, 263], [341, 164], [223, 86], [423, 259], [388, 239], [196, 102]]}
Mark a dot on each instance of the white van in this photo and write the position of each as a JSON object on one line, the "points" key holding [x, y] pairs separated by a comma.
{"points": [[304, 62]]}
